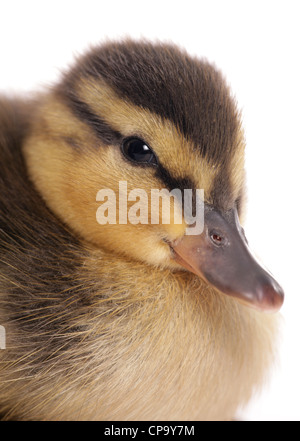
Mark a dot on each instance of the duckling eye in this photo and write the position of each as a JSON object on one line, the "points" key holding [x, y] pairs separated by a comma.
{"points": [[217, 239], [137, 150]]}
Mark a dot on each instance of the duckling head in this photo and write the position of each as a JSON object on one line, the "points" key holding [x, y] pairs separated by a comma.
{"points": [[129, 120]]}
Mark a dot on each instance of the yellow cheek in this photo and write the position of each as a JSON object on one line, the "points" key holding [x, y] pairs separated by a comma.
{"points": [[70, 181]]}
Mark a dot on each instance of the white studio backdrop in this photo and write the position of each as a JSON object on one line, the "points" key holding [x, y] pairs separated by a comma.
{"points": [[256, 45]]}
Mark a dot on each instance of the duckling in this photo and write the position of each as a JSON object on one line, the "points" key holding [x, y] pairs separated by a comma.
{"points": [[120, 320]]}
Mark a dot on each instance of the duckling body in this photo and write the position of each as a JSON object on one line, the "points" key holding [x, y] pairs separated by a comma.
{"points": [[101, 322]]}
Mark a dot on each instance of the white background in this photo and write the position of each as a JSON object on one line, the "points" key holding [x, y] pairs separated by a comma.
{"points": [[256, 45]]}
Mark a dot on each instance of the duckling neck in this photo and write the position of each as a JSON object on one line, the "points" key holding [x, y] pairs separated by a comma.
{"points": [[186, 339]]}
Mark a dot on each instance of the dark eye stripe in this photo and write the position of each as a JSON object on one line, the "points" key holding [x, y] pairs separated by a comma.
{"points": [[83, 112]]}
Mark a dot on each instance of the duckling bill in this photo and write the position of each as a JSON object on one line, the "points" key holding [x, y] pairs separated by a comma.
{"points": [[123, 321], [221, 256]]}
